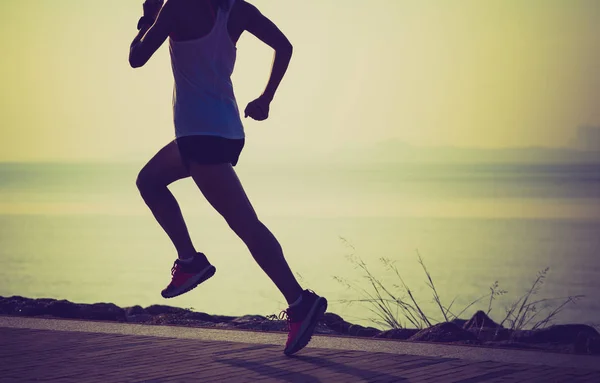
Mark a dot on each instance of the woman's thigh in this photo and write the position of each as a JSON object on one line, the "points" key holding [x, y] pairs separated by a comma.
{"points": [[164, 168], [222, 188]]}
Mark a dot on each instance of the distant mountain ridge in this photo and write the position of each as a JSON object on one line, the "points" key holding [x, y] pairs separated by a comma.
{"points": [[398, 151]]}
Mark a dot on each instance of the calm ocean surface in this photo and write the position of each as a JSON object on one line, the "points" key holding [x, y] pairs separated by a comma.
{"points": [[81, 232]]}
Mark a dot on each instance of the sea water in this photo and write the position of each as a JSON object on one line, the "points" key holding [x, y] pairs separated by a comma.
{"points": [[81, 232]]}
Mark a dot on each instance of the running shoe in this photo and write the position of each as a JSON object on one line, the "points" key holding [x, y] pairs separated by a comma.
{"points": [[302, 319], [188, 275]]}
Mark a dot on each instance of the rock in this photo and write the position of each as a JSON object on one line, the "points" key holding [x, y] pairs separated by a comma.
{"points": [[487, 334], [177, 317], [321, 328], [202, 317], [586, 343], [137, 314], [522, 336], [31, 310], [257, 322], [134, 310], [248, 319], [63, 309], [139, 318], [66, 309], [190, 323], [11, 305], [563, 334], [593, 345], [162, 319], [459, 322], [443, 332], [397, 333], [266, 325], [580, 345], [223, 318], [529, 346], [274, 325], [161, 309], [15, 298], [336, 323], [102, 311], [34, 307], [329, 317], [358, 330], [480, 320], [7, 307]]}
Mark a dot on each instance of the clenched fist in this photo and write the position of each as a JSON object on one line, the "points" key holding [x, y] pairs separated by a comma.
{"points": [[258, 109]]}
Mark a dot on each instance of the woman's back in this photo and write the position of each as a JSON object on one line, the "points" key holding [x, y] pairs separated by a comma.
{"points": [[203, 98], [196, 18], [188, 21]]}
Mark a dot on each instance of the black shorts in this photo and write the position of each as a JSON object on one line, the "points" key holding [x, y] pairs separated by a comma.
{"points": [[209, 150]]}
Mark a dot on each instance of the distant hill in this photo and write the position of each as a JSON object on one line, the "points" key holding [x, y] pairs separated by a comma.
{"points": [[397, 151]]}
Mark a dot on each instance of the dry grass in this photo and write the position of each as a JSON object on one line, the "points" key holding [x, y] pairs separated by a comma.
{"points": [[395, 306]]}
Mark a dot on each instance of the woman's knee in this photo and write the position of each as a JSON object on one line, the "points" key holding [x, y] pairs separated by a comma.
{"points": [[142, 181], [162, 170], [147, 183]]}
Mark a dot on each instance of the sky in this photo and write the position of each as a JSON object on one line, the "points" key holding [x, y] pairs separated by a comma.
{"points": [[469, 73]]}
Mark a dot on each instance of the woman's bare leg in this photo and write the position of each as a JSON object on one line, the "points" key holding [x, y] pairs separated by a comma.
{"points": [[163, 169], [224, 191]]}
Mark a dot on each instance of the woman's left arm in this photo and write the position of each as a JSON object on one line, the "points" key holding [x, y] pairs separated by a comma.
{"points": [[152, 36]]}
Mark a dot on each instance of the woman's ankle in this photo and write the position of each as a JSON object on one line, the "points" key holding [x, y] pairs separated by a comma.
{"points": [[187, 255]]}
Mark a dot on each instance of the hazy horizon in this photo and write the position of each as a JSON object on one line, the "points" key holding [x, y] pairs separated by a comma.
{"points": [[390, 151]]}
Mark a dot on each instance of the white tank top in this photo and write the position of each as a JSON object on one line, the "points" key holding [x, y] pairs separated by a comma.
{"points": [[203, 98]]}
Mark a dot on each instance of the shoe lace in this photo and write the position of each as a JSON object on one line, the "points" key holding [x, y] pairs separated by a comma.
{"points": [[175, 268], [284, 315]]}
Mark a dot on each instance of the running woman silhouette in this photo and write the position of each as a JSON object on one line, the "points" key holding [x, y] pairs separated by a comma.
{"points": [[209, 137]]}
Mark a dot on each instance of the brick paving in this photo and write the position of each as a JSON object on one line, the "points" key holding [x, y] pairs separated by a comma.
{"points": [[43, 355]]}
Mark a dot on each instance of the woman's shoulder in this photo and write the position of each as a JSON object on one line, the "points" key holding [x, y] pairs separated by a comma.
{"points": [[191, 14], [243, 14], [245, 6], [240, 7]]}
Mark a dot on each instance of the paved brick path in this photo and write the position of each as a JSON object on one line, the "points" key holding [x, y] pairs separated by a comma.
{"points": [[29, 354]]}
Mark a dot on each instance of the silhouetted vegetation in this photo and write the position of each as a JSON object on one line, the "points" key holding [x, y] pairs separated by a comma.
{"points": [[396, 306]]}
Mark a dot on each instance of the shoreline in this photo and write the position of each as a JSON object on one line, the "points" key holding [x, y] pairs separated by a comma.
{"points": [[479, 330]]}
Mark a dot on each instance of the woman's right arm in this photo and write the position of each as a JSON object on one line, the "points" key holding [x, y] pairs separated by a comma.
{"points": [[266, 31]]}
